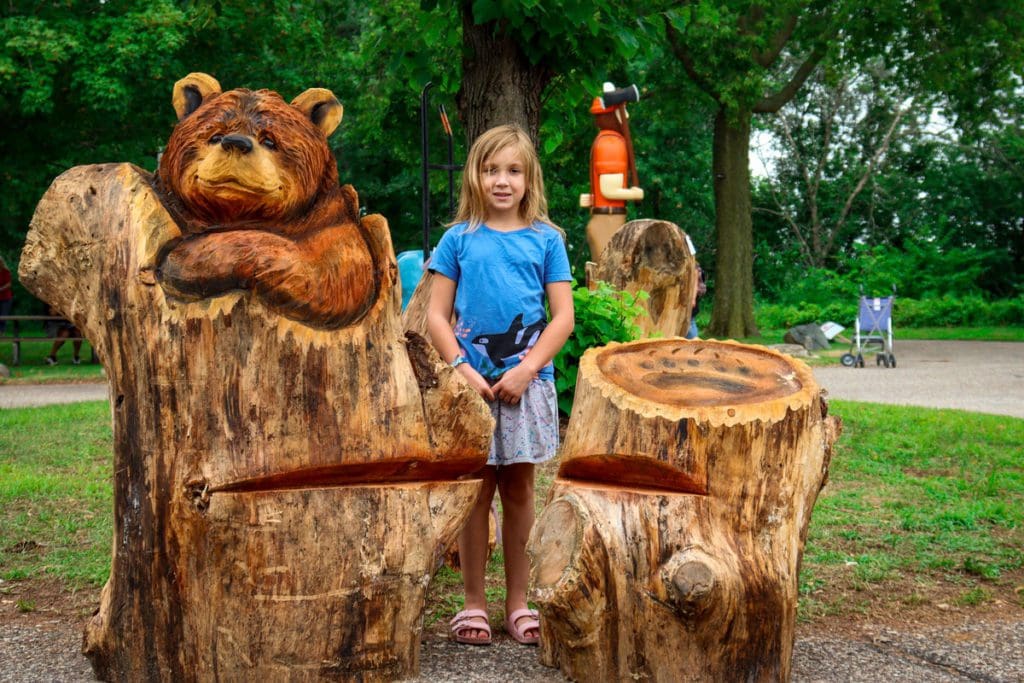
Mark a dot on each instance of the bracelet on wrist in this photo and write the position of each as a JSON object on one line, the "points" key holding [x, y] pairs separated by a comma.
{"points": [[458, 360]]}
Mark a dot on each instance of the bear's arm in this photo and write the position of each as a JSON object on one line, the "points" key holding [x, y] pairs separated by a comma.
{"points": [[325, 279]]}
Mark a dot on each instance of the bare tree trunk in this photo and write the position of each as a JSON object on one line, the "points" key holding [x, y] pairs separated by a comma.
{"points": [[499, 85], [652, 256], [670, 546], [282, 494], [732, 313]]}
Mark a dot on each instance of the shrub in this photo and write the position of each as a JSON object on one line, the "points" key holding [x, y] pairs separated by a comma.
{"points": [[947, 311], [602, 315]]}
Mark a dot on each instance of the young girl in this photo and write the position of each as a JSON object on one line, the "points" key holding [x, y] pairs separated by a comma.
{"points": [[495, 266]]}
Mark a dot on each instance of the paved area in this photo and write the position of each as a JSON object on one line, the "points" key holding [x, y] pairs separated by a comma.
{"points": [[984, 377], [30, 395]]}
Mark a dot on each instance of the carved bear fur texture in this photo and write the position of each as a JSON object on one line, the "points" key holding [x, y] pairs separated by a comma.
{"points": [[254, 188]]}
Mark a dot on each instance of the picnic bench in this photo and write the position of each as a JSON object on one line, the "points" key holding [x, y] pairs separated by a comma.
{"points": [[13, 334]]}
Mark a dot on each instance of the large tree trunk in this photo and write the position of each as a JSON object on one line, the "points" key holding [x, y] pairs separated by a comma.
{"points": [[282, 494], [499, 85], [652, 256], [670, 546], [732, 313]]}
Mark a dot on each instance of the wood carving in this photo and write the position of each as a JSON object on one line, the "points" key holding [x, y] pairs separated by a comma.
{"points": [[651, 256], [670, 546], [414, 317], [285, 458]]}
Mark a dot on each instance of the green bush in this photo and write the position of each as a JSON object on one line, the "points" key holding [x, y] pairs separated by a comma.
{"points": [[602, 315], [946, 311]]}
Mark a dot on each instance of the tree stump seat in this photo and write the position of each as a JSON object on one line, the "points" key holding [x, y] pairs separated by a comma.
{"points": [[670, 544]]}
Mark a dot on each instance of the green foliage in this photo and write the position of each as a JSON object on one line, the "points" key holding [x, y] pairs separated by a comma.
{"points": [[947, 311], [924, 270], [602, 315]]}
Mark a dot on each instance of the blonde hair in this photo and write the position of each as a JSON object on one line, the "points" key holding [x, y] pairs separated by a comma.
{"points": [[472, 198]]}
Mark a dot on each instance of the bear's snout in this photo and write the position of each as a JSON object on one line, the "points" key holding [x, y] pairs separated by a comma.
{"points": [[242, 143]]}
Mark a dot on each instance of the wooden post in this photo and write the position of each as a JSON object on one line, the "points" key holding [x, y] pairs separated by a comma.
{"points": [[282, 493], [651, 256], [670, 546]]}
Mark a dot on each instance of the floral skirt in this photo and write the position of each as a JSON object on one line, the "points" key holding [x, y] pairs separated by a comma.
{"points": [[527, 431]]}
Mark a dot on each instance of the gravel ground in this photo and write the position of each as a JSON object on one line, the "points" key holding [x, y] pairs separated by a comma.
{"points": [[990, 651], [979, 376]]}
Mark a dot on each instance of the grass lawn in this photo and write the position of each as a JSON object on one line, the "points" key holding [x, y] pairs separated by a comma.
{"points": [[923, 507]]}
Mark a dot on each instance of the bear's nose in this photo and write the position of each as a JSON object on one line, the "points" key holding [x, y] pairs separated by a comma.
{"points": [[240, 142]]}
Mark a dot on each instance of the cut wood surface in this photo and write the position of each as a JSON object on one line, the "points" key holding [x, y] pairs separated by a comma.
{"points": [[282, 493], [670, 545], [651, 256]]}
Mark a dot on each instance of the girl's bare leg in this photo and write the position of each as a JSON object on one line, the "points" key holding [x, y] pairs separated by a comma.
{"points": [[515, 485], [473, 547]]}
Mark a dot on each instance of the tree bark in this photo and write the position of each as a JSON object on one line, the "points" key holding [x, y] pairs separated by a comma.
{"points": [[499, 84], [732, 313], [670, 545], [652, 256], [414, 317], [282, 494]]}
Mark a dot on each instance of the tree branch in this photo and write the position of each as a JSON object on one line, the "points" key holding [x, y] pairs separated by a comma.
{"points": [[778, 41], [867, 175], [686, 59], [783, 213], [772, 103]]}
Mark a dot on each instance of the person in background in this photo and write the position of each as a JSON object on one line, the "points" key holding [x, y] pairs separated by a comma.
{"points": [[698, 292], [497, 265], [699, 289], [63, 329], [6, 293]]}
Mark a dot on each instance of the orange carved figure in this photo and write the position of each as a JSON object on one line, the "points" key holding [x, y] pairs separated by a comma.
{"points": [[612, 167], [254, 187]]}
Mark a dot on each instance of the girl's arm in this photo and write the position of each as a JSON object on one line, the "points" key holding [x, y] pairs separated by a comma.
{"points": [[513, 383], [439, 316]]}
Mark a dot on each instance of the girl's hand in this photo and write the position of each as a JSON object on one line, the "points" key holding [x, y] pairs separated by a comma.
{"points": [[476, 380], [512, 384]]}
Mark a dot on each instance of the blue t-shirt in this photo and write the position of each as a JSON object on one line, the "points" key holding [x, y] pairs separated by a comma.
{"points": [[499, 296]]}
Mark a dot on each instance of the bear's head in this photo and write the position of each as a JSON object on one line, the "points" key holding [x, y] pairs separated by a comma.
{"points": [[248, 156]]}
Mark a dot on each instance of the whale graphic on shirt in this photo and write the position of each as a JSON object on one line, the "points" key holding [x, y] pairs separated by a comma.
{"points": [[512, 342]]}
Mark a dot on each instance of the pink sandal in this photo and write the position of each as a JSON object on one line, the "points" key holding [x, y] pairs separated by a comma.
{"points": [[517, 630], [468, 620]]}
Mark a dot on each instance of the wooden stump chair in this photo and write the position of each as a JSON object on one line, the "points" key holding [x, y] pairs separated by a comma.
{"points": [[670, 545]]}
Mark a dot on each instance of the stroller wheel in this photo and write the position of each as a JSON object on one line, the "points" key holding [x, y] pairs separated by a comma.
{"points": [[882, 359], [892, 361], [847, 360], [860, 360]]}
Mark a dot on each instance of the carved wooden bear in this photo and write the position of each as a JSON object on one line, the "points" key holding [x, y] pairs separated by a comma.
{"points": [[254, 188], [283, 488]]}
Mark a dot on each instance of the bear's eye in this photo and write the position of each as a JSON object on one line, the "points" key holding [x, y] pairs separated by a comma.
{"points": [[268, 143], [215, 140]]}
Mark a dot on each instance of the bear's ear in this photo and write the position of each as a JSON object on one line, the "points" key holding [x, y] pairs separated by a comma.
{"points": [[192, 91], [322, 108]]}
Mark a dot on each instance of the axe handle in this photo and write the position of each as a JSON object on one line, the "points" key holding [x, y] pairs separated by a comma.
{"points": [[629, 150]]}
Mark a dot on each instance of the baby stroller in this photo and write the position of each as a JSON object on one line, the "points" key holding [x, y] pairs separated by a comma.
{"points": [[873, 327]]}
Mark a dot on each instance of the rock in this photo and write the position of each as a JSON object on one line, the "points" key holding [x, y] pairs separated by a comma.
{"points": [[794, 350], [808, 336]]}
